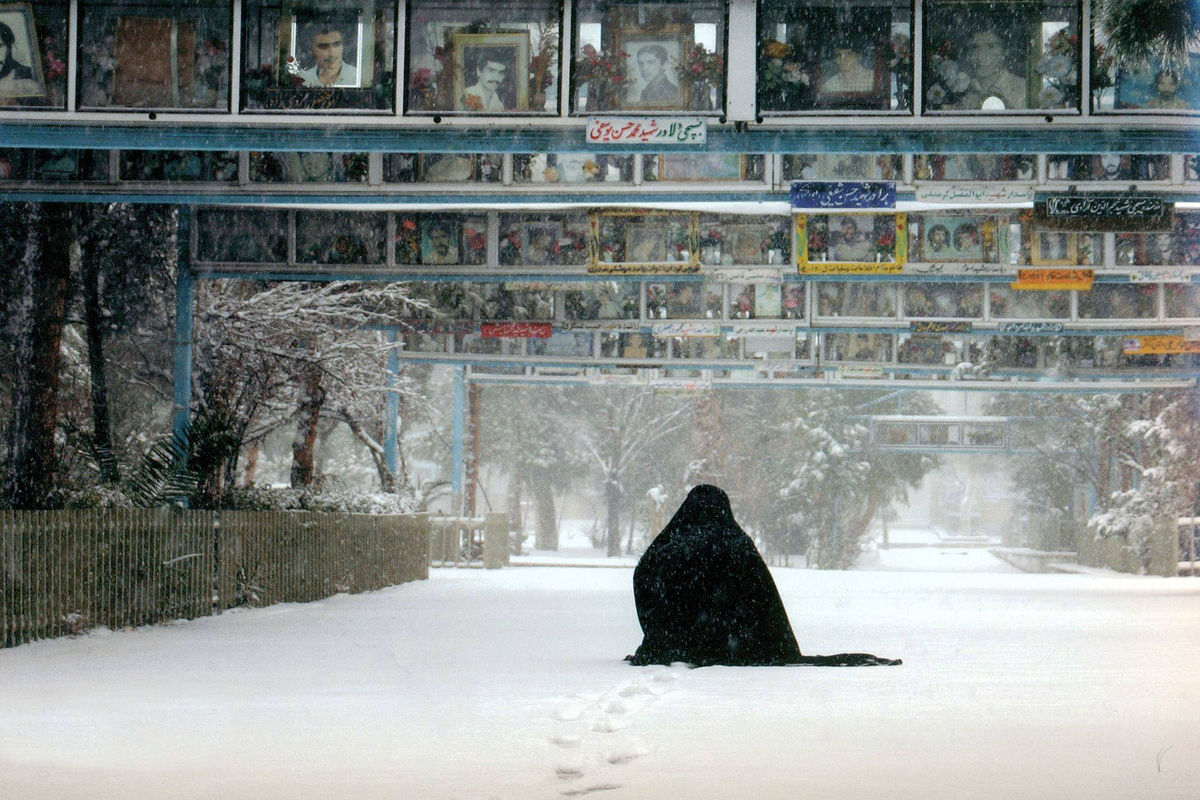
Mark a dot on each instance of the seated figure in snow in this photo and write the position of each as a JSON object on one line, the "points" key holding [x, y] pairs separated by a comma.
{"points": [[704, 596]]}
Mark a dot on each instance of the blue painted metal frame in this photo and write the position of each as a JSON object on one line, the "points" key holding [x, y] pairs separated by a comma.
{"points": [[185, 305], [1036, 135]]}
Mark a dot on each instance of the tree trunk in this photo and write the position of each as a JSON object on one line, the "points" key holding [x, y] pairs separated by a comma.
{"points": [[45, 280], [250, 473], [102, 442], [547, 520], [308, 417], [612, 500]]}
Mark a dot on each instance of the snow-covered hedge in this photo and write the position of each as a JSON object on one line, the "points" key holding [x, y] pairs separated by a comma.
{"points": [[333, 501]]}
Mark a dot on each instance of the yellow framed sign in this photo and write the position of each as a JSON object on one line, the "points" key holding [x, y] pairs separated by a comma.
{"points": [[861, 243]]}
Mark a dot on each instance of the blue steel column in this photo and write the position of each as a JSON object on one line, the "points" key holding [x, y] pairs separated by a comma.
{"points": [[185, 306], [391, 452], [460, 405]]}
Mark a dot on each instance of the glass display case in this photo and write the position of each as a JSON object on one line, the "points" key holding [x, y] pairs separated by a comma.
{"points": [[538, 240], [646, 242], [943, 300], [864, 347], [647, 57], [960, 238], [1119, 301], [1182, 300], [564, 168], [1152, 89], [178, 165], [318, 55], [604, 300], [856, 299], [1016, 304], [441, 239], [154, 55], [34, 69], [242, 235], [825, 55], [1108, 167], [304, 167], [483, 58], [744, 241], [842, 167], [974, 167], [334, 237], [54, 165], [707, 167], [1001, 56]]}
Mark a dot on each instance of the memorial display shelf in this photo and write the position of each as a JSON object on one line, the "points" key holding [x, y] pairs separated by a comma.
{"points": [[981, 245], [538, 60], [959, 181]]}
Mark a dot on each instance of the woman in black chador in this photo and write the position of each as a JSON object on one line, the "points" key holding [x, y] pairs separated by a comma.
{"points": [[704, 596]]}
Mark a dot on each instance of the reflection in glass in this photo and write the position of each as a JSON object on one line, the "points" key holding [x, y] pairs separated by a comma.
{"points": [[648, 56], [251, 236], [823, 55], [179, 165], [1182, 300], [1001, 56], [1006, 303], [304, 167], [154, 54], [318, 57], [335, 237], [1119, 301], [942, 300], [841, 167], [856, 299], [974, 167], [482, 58], [572, 168]]}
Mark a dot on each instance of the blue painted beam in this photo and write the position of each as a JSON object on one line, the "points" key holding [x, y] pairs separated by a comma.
{"points": [[185, 305], [1026, 134]]}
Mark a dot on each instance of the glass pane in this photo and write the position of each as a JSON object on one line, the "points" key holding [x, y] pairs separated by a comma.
{"points": [[856, 299], [1009, 303], [563, 344], [1000, 56], [852, 238], [482, 58], [252, 236], [35, 65], [631, 345], [495, 301], [308, 167], [958, 238], [974, 167], [873, 347], [1191, 168], [154, 54], [1108, 167], [434, 239], [747, 241], [926, 350], [940, 300], [459, 167], [1182, 300], [1116, 301], [792, 302], [684, 167], [336, 237], [649, 56], [1149, 89], [604, 300], [841, 167], [60, 165], [543, 240], [823, 54], [178, 165], [318, 55], [645, 239], [572, 168]]}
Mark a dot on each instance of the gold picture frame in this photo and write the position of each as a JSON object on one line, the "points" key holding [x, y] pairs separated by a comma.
{"points": [[482, 89], [1054, 249]]}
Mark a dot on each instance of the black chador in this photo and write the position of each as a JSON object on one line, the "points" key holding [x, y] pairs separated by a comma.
{"points": [[704, 596]]}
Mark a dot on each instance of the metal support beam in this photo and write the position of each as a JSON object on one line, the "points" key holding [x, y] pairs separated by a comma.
{"points": [[460, 413], [185, 307], [391, 449]]}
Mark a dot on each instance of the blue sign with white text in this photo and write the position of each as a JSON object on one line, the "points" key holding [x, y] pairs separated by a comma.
{"points": [[843, 194]]}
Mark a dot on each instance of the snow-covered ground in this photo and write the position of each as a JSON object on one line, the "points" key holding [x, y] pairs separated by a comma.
{"points": [[509, 684]]}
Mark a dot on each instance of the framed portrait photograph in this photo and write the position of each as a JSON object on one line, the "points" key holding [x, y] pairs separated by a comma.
{"points": [[828, 240], [853, 73], [326, 47], [701, 167], [540, 241], [645, 244], [439, 241], [954, 239], [1159, 89], [1054, 249], [490, 72], [980, 56], [21, 67], [653, 68], [748, 244]]}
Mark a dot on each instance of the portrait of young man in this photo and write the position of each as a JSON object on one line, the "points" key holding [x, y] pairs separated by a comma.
{"points": [[491, 72], [331, 58]]}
